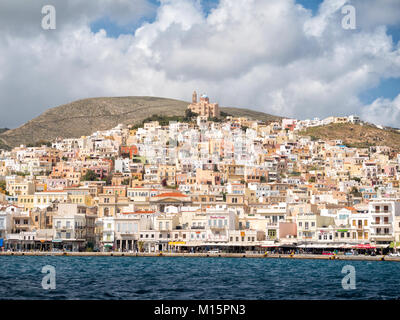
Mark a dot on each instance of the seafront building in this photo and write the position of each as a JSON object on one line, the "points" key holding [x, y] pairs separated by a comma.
{"points": [[228, 183]]}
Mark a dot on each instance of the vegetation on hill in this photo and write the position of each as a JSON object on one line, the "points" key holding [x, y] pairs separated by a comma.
{"points": [[354, 135], [39, 144], [83, 117], [90, 175], [164, 120]]}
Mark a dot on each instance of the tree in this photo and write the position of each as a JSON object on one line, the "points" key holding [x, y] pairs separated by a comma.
{"points": [[354, 191], [224, 114], [189, 114], [90, 175], [224, 196], [107, 179], [2, 186], [140, 246]]}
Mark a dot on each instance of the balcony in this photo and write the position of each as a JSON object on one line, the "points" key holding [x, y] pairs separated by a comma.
{"points": [[272, 224], [64, 229], [381, 224], [380, 212], [382, 236], [18, 226], [198, 227], [13, 236], [217, 227]]}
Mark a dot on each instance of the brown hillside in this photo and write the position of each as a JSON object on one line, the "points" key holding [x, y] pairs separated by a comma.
{"points": [[360, 136], [86, 116]]}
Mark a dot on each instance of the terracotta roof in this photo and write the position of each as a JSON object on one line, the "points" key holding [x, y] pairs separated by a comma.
{"points": [[170, 194], [138, 212]]}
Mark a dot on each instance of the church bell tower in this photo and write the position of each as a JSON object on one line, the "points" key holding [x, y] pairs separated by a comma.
{"points": [[194, 97]]}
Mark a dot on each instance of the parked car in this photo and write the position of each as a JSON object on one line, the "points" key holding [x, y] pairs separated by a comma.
{"points": [[213, 251], [394, 254], [327, 253]]}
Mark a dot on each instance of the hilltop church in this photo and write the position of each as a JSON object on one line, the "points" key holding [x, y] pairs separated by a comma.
{"points": [[204, 107]]}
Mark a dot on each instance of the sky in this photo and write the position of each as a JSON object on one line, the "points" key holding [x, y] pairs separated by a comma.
{"points": [[285, 57]]}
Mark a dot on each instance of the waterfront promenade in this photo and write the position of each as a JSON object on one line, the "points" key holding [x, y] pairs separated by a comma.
{"points": [[205, 255]]}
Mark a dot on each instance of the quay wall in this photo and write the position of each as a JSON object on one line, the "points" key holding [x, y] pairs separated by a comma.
{"points": [[204, 255]]}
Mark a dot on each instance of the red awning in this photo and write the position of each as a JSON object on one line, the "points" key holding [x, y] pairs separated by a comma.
{"points": [[364, 246]]}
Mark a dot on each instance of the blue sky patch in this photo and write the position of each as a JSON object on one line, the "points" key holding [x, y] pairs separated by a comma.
{"points": [[310, 5], [387, 88]]}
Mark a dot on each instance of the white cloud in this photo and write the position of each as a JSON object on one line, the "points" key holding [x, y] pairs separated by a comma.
{"points": [[383, 112], [272, 55]]}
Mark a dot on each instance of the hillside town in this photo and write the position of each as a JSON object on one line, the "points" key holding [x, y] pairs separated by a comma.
{"points": [[209, 182]]}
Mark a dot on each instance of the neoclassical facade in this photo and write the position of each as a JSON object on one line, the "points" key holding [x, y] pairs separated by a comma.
{"points": [[204, 107]]}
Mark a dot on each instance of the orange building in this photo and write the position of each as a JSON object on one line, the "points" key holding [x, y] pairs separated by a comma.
{"points": [[204, 107]]}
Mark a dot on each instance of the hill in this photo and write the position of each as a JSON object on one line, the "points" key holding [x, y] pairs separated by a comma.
{"points": [[359, 136], [83, 117]]}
